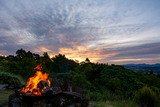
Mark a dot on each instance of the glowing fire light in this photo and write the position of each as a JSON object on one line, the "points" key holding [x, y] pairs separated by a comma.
{"points": [[33, 82]]}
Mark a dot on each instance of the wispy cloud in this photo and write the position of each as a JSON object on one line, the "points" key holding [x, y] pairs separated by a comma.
{"points": [[148, 53], [103, 30]]}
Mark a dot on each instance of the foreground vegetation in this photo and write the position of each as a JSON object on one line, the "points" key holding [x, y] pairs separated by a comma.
{"points": [[4, 94], [101, 82], [115, 104]]}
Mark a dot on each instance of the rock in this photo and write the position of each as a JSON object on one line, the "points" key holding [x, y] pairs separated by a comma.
{"points": [[3, 86]]}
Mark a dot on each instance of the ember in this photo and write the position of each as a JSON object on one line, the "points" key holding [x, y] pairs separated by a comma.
{"points": [[37, 83]]}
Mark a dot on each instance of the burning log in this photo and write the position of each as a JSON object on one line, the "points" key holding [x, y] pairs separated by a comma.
{"points": [[42, 85], [45, 89]]}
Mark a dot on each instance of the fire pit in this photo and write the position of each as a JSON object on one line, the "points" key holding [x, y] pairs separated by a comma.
{"points": [[38, 92]]}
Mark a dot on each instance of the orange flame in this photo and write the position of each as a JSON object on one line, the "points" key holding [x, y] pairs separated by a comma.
{"points": [[32, 82]]}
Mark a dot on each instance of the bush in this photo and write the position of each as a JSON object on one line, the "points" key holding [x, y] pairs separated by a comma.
{"points": [[145, 97], [11, 79]]}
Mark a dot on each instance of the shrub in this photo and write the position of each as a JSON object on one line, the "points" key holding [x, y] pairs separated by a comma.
{"points": [[145, 97], [11, 79]]}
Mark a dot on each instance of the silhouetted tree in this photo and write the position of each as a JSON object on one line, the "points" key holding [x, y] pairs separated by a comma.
{"points": [[87, 60], [61, 64]]}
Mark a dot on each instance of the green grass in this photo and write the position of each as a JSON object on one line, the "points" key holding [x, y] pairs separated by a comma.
{"points": [[4, 94], [115, 104], [103, 104]]}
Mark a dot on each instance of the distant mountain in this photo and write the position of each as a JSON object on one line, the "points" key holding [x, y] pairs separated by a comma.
{"points": [[155, 68]]}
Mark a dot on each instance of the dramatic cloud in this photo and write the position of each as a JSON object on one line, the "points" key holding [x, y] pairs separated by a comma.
{"points": [[109, 31], [146, 53]]}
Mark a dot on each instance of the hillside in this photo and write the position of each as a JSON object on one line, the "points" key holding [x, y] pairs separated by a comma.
{"points": [[144, 68]]}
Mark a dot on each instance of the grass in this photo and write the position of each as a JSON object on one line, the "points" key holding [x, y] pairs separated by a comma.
{"points": [[4, 94], [115, 104], [103, 104]]}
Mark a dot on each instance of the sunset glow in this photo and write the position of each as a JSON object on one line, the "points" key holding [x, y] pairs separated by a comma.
{"points": [[108, 31]]}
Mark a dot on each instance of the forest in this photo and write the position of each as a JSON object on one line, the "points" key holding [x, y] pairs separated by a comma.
{"points": [[99, 81]]}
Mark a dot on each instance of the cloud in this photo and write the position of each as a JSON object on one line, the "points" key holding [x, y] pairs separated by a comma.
{"points": [[103, 29], [148, 52], [81, 53]]}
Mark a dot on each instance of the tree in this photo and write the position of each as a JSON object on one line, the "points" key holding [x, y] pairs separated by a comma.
{"points": [[61, 64], [114, 84], [45, 61], [87, 60], [79, 79], [21, 53]]}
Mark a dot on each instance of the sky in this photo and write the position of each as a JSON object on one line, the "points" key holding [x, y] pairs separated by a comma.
{"points": [[105, 31]]}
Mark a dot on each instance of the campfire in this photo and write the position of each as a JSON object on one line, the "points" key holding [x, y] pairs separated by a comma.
{"points": [[38, 92], [38, 83]]}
